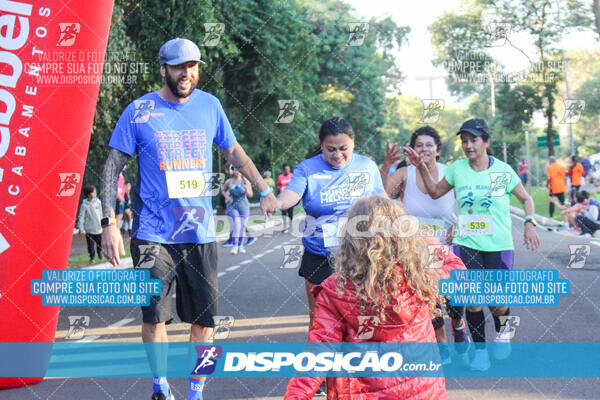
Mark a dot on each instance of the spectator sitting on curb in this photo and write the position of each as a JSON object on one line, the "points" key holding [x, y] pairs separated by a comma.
{"points": [[589, 222], [568, 213]]}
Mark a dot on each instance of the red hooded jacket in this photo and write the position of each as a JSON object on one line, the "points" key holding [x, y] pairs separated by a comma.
{"points": [[336, 320]]}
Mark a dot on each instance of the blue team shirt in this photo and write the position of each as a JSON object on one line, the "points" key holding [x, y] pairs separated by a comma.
{"points": [[327, 193], [174, 147]]}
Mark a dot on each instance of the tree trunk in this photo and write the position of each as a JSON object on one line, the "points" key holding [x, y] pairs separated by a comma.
{"points": [[549, 94], [597, 14]]}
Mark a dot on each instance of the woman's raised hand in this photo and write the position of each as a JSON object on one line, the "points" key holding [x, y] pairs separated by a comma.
{"points": [[415, 158]]}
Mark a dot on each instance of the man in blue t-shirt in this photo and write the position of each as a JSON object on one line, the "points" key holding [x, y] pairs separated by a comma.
{"points": [[172, 131]]}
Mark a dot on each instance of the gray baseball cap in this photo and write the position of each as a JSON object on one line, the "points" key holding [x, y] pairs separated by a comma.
{"points": [[177, 51]]}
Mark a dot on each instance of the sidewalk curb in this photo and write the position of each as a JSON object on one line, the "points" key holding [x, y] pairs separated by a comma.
{"points": [[548, 223], [541, 220]]}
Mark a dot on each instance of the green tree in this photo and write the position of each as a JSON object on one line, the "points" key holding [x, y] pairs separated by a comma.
{"points": [[597, 15], [464, 42], [273, 51], [353, 80], [540, 19], [269, 51], [405, 114], [586, 131], [113, 97]]}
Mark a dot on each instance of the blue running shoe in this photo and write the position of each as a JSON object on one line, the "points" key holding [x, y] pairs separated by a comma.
{"points": [[250, 240], [444, 353], [502, 346], [481, 360]]}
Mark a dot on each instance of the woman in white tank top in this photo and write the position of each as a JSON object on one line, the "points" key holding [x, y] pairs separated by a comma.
{"points": [[437, 218]]}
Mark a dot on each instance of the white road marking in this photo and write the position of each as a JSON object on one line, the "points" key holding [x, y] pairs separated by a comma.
{"points": [[246, 262], [232, 268], [121, 323], [277, 247], [220, 274]]}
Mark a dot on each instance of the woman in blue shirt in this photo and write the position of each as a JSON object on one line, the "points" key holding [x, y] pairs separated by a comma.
{"points": [[328, 184]]}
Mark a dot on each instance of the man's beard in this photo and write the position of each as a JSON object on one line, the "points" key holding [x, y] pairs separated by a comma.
{"points": [[172, 85]]}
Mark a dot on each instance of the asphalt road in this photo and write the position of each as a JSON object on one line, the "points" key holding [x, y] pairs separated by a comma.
{"points": [[268, 305]]}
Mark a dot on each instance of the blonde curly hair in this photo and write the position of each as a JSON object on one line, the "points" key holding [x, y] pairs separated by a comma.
{"points": [[374, 243]]}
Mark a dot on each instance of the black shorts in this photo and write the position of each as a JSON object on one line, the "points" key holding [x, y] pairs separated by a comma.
{"points": [[315, 268], [193, 267], [477, 259]]}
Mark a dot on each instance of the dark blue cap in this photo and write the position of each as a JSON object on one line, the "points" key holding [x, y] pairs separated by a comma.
{"points": [[476, 126]]}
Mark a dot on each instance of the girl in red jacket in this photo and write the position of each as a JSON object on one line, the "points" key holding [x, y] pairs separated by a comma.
{"points": [[384, 274]]}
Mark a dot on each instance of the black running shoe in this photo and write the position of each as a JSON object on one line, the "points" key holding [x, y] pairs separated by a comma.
{"points": [[322, 391]]}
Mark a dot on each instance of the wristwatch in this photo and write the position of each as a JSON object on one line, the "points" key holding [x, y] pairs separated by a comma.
{"points": [[107, 221], [529, 218]]}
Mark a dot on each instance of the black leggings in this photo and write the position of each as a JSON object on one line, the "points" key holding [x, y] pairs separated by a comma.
{"points": [[574, 190], [561, 199], [94, 243], [476, 259], [587, 225], [288, 213]]}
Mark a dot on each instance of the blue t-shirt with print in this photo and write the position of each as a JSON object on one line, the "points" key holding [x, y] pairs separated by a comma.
{"points": [[327, 193], [174, 147]]}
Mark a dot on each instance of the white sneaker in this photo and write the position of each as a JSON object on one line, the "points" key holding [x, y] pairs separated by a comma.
{"points": [[502, 346], [161, 396], [234, 250], [242, 249], [564, 228], [481, 360]]}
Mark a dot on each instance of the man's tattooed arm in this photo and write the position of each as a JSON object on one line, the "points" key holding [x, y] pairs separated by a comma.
{"points": [[113, 167]]}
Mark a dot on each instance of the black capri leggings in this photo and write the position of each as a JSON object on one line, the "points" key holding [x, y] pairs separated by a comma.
{"points": [[288, 213]]}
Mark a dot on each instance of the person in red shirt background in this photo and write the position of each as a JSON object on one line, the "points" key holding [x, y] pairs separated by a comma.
{"points": [[575, 172], [282, 182], [524, 171]]}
